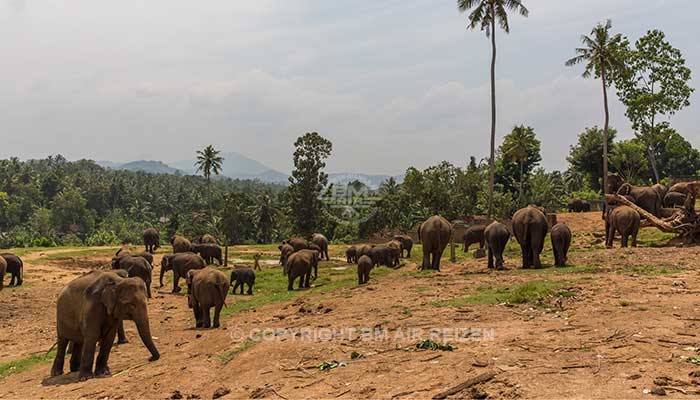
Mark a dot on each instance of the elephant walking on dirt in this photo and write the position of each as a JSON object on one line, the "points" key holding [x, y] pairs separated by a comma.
{"points": [[496, 236], [561, 240], [435, 234], [322, 243], [151, 240], [625, 220], [207, 288], [88, 311], [530, 228]]}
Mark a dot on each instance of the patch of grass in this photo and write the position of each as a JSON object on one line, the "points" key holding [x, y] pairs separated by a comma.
{"points": [[26, 363], [86, 252], [648, 270], [229, 355], [424, 289], [571, 269], [528, 292], [653, 237], [625, 303]]}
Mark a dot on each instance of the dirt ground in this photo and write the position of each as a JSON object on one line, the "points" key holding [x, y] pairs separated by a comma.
{"points": [[622, 323]]}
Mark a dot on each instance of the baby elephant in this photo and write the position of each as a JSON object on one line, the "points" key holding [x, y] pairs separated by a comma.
{"points": [[625, 220], [351, 254], [207, 288], [242, 276], [364, 265], [496, 237], [561, 240]]}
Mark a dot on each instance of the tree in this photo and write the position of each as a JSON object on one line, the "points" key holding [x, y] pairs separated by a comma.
{"points": [[263, 215], [655, 83], [484, 15], [521, 147], [307, 181], [209, 161], [677, 157], [628, 158], [584, 157], [603, 57]]}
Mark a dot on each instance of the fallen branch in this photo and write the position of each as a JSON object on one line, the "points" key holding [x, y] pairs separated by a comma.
{"points": [[130, 368], [485, 377]]}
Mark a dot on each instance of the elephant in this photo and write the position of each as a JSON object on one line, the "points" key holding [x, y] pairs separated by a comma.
{"points": [[660, 189], [88, 310], [151, 240], [15, 266], [397, 247], [530, 228], [314, 247], [674, 199], [351, 254], [180, 244], [578, 205], [3, 271], [209, 252], [364, 250], [180, 263], [384, 255], [474, 234], [406, 244], [124, 250], [625, 220], [364, 266], [681, 187], [207, 288], [242, 276], [561, 240], [135, 266], [644, 196], [614, 183], [299, 265], [435, 234], [496, 236], [321, 241], [206, 238], [145, 255], [285, 251], [297, 243]]}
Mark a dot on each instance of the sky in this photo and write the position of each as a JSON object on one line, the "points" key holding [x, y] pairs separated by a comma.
{"points": [[392, 83]]}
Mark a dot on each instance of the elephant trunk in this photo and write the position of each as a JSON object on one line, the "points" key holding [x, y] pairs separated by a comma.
{"points": [[145, 333]]}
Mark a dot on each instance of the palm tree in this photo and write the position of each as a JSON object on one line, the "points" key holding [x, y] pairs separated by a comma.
{"points": [[602, 55], [264, 214], [518, 146], [209, 161], [484, 15]]}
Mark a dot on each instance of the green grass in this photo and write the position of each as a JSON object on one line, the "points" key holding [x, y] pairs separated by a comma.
{"points": [[229, 355], [652, 238], [625, 303], [26, 363], [80, 253], [529, 292]]}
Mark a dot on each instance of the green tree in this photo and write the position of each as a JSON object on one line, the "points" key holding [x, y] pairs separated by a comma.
{"points": [[307, 181], [655, 84], [264, 214], [236, 222], [584, 157], [485, 14], [603, 56], [209, 162], [547, 189], [522, 148], [629, 159], [677, 157], [69, 213]]}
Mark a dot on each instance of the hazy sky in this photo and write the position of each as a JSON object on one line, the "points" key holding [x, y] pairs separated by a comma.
{"points": [[391, 83]]}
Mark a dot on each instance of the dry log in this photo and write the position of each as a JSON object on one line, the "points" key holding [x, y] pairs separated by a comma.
{"points": [[485, 377]]}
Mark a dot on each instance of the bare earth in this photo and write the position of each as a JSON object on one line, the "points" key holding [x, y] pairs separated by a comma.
{"points": [[630, 323]]}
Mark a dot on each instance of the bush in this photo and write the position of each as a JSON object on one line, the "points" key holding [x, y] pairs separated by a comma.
{"points": [[103, 238], [44, 242], [71, 239]]}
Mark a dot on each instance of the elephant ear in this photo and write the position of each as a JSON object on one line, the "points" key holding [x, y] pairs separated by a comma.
{"points": [[104, 291], [190, 276]]}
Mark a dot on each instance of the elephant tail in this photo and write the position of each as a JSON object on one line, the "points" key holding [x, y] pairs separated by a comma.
{"points": [[221, 290]]}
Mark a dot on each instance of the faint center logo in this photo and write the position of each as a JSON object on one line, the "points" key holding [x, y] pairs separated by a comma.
{"points": [[351, 203]]}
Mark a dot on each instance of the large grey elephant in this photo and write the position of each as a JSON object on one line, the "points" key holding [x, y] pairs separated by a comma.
{"points": [[322, 243], [530, 228], [435, 234], [151, 240], [88, 311], [496, 236]]}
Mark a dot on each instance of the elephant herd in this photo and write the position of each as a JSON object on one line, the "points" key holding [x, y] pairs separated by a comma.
{"points": [[368, 256]]}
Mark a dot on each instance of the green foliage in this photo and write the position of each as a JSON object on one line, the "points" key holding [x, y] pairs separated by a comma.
{"points": [[431, 345], [585, 157], [307, 182], [528, 292], [519, 154], [629, 160], [26, 363]]}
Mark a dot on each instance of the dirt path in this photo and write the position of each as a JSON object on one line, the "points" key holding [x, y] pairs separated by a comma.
{"points": [[622, 325]]}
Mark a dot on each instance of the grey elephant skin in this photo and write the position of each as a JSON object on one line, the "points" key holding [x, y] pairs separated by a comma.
{"points": [[207, 289], [351, 254], [474, 234], [435, 233], [241, 277], [625, 220], [561, 241], [299, 265], [320, 240], [364, 266], [530, 228], [180, 244], [135, 267], [88, 311], [209, 252], [151, 240], [180, 264], [406, 244], [15, 267], [496, 236]]}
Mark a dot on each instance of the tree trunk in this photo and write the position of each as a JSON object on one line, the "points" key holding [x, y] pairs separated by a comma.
{"points": [[492, 161], [520, 196], [605, 132]]}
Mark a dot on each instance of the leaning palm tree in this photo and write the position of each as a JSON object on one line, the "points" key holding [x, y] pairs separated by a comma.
{"points": [[485, 15], [602, 54], [209, 161]]}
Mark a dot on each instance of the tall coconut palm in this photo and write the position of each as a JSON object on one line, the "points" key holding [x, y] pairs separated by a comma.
{"points": [[485, 15], [602, 54], [209, 162]]}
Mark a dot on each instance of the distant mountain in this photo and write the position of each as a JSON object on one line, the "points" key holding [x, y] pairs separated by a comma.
{"points": [[372, 181], [238, 166], [153, 167]]}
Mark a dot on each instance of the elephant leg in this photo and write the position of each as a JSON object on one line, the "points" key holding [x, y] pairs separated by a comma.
{"points": [[250, 288], [75, 357], [609, 235], [436, 261], [465, 248], [490, 258], [307, 280], [525, 256], [197, 316], [482, 243], [87, 358], [217, 312], [625, 236], [242, 287], [634, 238], [57, 368], [426, 260], [121, 337], [235, 287], [106, 342], [290, 285], [176, 282], [535, 251], [499, 260]]}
